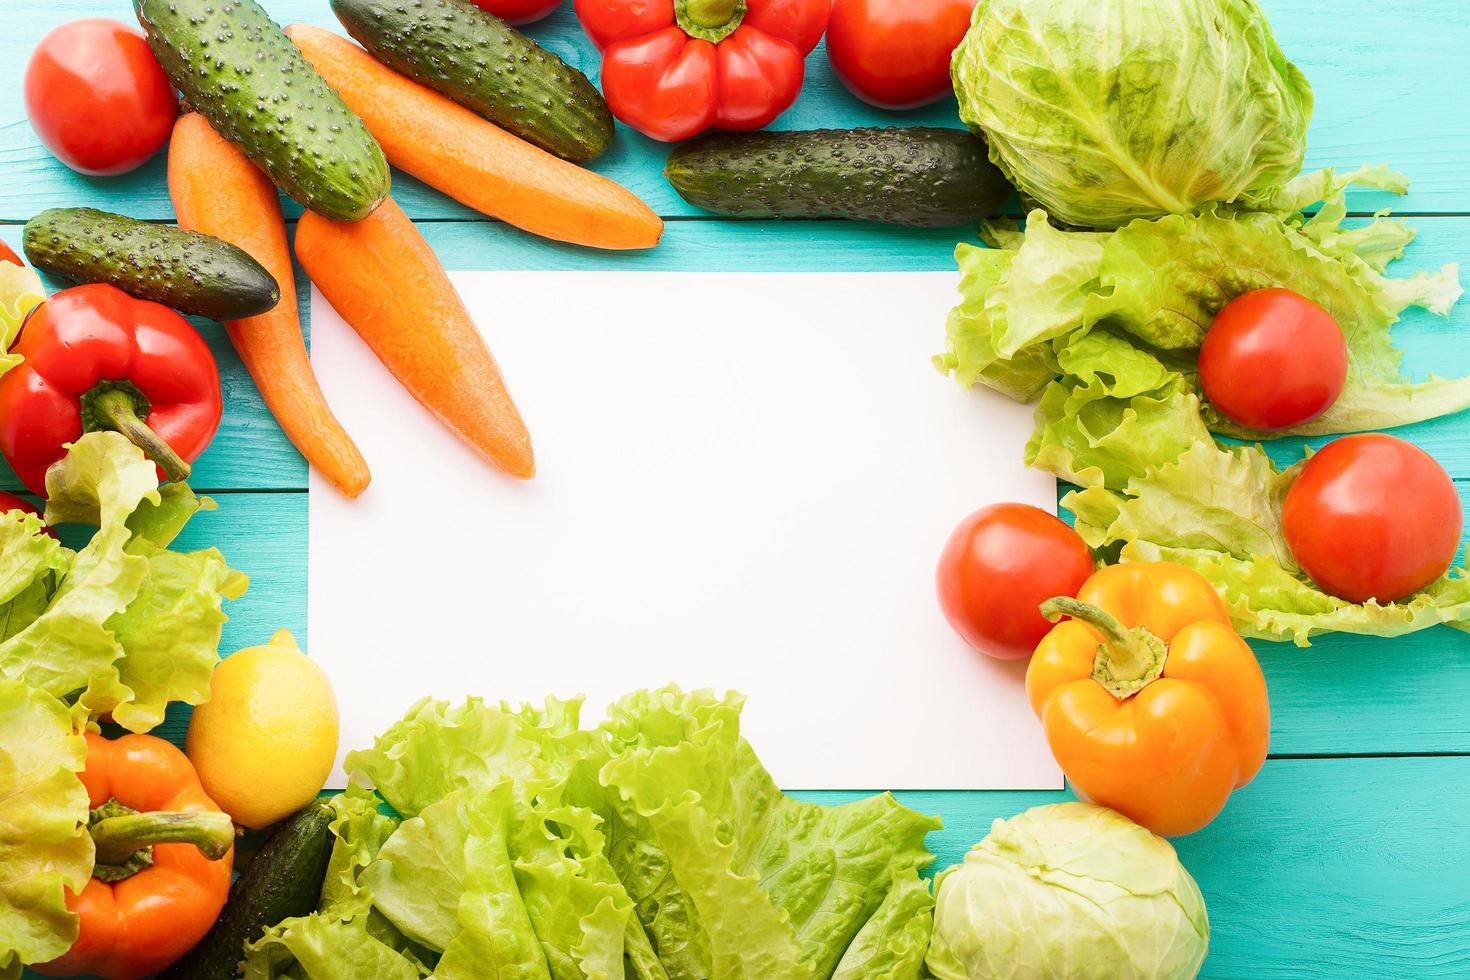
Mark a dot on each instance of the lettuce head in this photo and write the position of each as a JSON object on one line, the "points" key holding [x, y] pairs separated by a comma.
{"points": [[1103, 112], [1069, 890]]}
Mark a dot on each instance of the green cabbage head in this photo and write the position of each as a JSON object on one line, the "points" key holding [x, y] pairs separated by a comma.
{"points": [[1070, 891], [1108, 110]]}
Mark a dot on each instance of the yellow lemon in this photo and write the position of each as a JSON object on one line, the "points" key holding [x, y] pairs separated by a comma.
{"points": [[265, 741]]}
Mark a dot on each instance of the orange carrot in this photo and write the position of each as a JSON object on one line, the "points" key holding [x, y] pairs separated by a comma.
{"points": [[217, 191], [385, 281], [475, 162]]}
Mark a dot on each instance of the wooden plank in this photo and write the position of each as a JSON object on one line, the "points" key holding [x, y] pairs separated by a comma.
{"points": [[1341, 868], [1343, 695], [1369, 108], [251, 453]]}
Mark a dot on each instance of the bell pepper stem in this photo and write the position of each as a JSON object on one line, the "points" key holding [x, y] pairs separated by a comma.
{"points": [[1128, 660], [118, 838], [709, 20], [116, 408]]}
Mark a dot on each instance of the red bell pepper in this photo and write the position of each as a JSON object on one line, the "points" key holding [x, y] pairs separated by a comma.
{"points": [[96, 358], [674, 68]]}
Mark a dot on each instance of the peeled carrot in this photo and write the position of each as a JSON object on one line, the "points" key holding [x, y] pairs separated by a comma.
{"points": [[385, 281], [216, 190], [476, 162]]}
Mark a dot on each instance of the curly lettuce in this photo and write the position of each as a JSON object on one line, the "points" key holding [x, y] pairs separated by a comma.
{"points": [[346, 936], [44, 846], [124, 626], [655, 847], [20, 292], [1105, 328]]}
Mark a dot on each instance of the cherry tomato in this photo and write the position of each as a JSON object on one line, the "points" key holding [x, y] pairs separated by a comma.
{"points": [[1273, 359], [1372, 517], [518, 11], [7, 254], [1000, 564], [895, 53], [97, 98]]}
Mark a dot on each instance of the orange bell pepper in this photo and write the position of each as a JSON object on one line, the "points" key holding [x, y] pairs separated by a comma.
{"points": [[1152, 704], [164, 854]]}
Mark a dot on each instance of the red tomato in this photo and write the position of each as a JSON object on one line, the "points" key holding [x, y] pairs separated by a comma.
{"points": [[1273, 359], [7, 254], [97, 97], [1000, 564], [895, 53], [1372, 517], [518, 11]]}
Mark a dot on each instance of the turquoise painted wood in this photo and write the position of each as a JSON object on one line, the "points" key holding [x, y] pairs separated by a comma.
{"points": [[1345, 858]]}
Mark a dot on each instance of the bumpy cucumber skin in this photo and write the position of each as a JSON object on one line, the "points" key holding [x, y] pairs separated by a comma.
{"points": [[236, 66], [919, 177], [479, 61], [283, 880], [193, 273]]}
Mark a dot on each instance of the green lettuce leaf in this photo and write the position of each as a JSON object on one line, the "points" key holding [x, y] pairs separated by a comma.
{"points": [[438, 748], [345, 916], [487, 927], [20, 292], [359, 829], [1118, 411], [314, 947], [44, 847], [417, 878], [68, 647], [170, 632], [763, 885], [578, 911], [161, 521], [124, 626], [893, 943], [26, 553]]}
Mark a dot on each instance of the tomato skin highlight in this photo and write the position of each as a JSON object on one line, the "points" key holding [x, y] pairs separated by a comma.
{"points": [[1273, 359], [895, 54], [998, 566], [1372, 517], [97, 97], [518, 11]]}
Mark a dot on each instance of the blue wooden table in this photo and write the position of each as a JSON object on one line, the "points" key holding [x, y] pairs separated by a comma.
{"points": [[1349, 856]]}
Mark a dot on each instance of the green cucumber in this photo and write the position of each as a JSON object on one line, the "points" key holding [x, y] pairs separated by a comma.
{"points": [[919, 177], [283, 880], [192, 272], [479, 61], [236, 66]]}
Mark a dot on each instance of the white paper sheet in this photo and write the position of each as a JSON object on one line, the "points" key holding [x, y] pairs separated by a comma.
{"points": [[744, 481]]}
